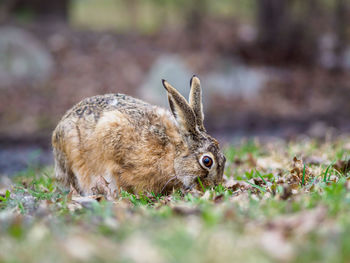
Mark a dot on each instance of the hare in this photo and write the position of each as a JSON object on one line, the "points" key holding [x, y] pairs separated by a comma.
{"points": [[136, 146]]}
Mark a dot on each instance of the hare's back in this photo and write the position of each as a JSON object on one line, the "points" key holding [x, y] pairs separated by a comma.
{"points": [[97, 105], [83, 118]]}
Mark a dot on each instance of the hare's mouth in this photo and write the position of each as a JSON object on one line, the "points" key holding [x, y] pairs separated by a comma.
{"points": [[190, 187], [172, 182], [188, 182]]}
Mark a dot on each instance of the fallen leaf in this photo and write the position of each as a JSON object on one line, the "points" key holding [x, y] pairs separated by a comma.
{"points": [[185, 210], [298, 171], [231, 184], [342, 166], [78, 202], [258, 181], [219, 198], [238, 161], [333, 178], [287, 192], [102, 188], [195, 192]]}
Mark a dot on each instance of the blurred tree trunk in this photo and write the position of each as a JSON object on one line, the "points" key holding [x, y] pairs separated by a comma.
{"points": [[282, 35], [42, 9], [196, 13], [341, 23], [272, 21]]}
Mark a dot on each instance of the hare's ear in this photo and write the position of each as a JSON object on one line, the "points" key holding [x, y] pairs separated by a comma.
{"points": [[195, 101], [181, 110]]}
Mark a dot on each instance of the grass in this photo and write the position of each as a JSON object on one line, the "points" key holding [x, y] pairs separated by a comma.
{"points": [[261, 213]]}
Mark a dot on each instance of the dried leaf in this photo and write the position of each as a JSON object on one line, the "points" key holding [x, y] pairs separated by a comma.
{"points": [[78, 202], [231, 184], [287, 192], [185, 210], [258, 181], [195, 192], [342, 166], [219, 198], [102, 188], [333, 178], [298, 171], [238, 161]]}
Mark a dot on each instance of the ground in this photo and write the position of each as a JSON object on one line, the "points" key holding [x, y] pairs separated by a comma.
{"points": [[280, 202]]}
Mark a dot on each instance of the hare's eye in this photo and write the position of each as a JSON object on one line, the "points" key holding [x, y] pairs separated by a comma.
{"points": [[207, 161]]}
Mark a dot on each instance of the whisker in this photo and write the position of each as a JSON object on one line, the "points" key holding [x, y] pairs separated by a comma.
{"points": [[172, 178]]}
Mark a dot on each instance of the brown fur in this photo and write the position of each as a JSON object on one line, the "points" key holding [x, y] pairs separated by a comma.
{"points": [[195, 101], [133, 145]]}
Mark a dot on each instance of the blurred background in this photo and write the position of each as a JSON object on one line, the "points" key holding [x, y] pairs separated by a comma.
{"points": [[268, 67]]}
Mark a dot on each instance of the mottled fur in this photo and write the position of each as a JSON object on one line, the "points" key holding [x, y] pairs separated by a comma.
{"points": [[133, 145]]}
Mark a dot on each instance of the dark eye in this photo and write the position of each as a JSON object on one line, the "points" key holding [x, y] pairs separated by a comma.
{"points": [[207, 161]]}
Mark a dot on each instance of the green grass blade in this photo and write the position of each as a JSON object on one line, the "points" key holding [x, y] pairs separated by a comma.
{"points": [[262, 178], [326, 172], [200, 183], [303, 179], [257, 186]]}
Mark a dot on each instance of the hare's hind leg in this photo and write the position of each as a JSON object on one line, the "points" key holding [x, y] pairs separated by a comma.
{"points": [[63, 171]]}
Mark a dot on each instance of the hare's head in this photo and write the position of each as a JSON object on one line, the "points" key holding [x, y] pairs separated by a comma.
{"points": [[202, 158]]}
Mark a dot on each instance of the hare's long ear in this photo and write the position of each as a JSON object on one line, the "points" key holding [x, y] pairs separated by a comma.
{"points": [[181, 110], [195, 101]]}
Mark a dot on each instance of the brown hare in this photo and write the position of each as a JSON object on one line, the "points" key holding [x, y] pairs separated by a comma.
{"points": [[136, 146]]}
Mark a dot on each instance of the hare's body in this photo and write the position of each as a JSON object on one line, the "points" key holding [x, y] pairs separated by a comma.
{"points": [[133, 145]]}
